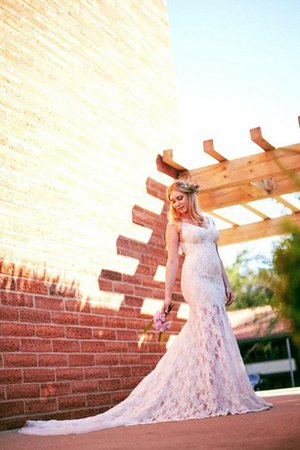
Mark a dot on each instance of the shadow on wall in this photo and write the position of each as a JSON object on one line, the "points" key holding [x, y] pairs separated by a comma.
{"points": [[65, 356]]}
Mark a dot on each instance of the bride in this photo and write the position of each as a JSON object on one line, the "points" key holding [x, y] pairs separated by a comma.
{"points": [[202, 374]]}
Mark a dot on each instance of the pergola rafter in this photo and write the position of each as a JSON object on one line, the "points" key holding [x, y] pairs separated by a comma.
{"points": [[268, 174]]}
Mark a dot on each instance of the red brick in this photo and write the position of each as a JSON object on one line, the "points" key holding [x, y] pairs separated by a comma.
{"points": [[123, 288], [150, 359], [63, 290], [98, 399], [7, 313], [106, 359], [17, 360], [54, 331], [140, 370], [35, 316], [91, 320], [16, 299], [128, 312], [50, 303], [58, 360], [126, 335], [55, 389], [9, 345], [81, 360], [84, 386], [17, 329], [36, 345], [66, 346], [110, 384], [119, 371], [111, 275], [12, 376], [131, 383], [133, 301], [2, 393], [8, 268], [105, 285], [8, 283], [129, 358], [135, 347], [79, 333], [77, 401], [37, 375], [40, 406], [65, 318], [155, 347], [69, 374], [96, 372], [77, 305], [143, 292], [114, 322], [31, 286], [111, 346], [92, 346], [23, 391], [117, 397], [138, 324], [13, 408], [100, 333], [145, 270]]}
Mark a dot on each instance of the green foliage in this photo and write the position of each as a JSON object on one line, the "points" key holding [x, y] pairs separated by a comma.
{"points": [[248, 288], [284, 279]]}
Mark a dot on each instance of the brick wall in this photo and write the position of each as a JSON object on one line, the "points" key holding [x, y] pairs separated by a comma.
{"points": [[88, 101]]}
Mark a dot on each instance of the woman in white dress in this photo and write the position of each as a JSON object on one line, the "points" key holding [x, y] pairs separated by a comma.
{"points": [[202, 374]]}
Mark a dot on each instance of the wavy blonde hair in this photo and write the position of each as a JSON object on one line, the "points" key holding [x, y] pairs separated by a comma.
{"points": [[191, 190]]}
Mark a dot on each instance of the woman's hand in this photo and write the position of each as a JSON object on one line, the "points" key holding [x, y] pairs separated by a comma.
{"points": [[229, 295], [165, 306]]}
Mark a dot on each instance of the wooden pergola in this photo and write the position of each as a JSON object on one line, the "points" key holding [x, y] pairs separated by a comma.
{"points": [[268, 174]]}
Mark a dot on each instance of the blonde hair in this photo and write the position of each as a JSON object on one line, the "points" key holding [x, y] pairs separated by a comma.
{"points": [[191, 190]]}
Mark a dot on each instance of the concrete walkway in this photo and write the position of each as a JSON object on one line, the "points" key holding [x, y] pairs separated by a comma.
{"points": [[276, 429]]}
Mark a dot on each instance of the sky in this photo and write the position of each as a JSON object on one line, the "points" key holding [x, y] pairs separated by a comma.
{"points": [[237, 67]]}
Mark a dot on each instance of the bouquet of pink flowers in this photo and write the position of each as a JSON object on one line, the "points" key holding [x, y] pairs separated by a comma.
{"points": [[160, 324]]}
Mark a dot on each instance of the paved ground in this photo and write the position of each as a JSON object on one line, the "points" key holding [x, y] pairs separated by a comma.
{"points": [[276, 429]]}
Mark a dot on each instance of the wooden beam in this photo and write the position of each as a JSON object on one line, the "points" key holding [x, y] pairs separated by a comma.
{"points": [[251, 168], [245, 193], [287, 204], [257, 137], [168, 159], [165, 168], [258, 230], [255, 211], [208, 147], [219, 216]]}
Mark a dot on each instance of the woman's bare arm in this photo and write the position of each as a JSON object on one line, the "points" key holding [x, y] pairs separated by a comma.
{"points": [[227, 285], [172, 240]]}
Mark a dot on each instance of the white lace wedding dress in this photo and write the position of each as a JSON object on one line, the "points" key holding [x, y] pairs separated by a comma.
{"points": [[201, 375]]}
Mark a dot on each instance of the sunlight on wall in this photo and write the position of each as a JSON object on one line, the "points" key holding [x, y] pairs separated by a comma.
{"points": [[183, 311], [150, 306], [160, 273]]}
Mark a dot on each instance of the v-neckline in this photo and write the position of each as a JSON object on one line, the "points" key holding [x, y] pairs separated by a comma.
{"points": [[197, 226]]}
